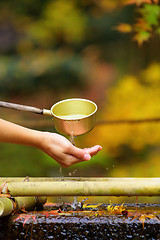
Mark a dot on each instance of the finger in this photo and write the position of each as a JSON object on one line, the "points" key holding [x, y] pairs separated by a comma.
{"points": [[93, 150], [80, 154], [71, 160]]}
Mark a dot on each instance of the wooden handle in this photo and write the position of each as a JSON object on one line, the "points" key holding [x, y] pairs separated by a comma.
{"points": [[21, 107]]}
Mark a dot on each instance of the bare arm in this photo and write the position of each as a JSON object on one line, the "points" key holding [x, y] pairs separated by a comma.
{"points": [[55, 145]]}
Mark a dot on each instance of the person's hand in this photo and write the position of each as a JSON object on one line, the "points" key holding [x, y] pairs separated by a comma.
{"points": [[61, 149], [55, 145]]}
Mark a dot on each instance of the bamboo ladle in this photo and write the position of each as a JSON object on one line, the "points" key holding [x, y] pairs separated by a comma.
{"points": [[73, 117]]}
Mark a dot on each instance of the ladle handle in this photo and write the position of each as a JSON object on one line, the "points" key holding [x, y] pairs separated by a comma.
{"points": [[21, 107]]}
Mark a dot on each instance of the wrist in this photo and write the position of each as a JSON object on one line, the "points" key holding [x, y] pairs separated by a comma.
{"points": [[42, 140], [38, 139]]}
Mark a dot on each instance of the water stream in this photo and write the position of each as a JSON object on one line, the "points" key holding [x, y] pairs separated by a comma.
{"points": [[72, 137], [75, 205]]}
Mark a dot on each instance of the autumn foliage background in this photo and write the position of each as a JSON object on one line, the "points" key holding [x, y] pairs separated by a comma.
{"points": [[105, 51]]}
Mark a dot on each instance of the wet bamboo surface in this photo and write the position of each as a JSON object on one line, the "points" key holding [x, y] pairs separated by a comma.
{"points": [[82, 186]]}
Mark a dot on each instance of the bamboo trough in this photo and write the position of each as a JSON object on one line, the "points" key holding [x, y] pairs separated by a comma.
{"points": [[81, 186]]}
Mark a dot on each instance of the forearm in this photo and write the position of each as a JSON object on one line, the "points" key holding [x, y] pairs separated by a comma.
{"points": [[55, 145], [12, 133]]}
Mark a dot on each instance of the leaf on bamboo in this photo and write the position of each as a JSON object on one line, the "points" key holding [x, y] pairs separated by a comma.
{"points": [[115, 209], [91, 206]]}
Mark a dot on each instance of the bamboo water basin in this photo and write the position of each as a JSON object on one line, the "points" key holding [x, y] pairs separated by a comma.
{"points": [[81, 224]]}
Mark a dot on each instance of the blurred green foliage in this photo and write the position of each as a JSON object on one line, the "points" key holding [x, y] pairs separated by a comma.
{"points": [[42, 43]]}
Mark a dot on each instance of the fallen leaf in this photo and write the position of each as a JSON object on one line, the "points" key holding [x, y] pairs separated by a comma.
{"points": [[116, 210], [26, 217]]}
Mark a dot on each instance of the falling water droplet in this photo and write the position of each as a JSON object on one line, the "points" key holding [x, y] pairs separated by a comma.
{"points": [[60, 173]]}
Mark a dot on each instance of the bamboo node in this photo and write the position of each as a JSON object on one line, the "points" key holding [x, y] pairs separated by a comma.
{"points": [[2, 186], [4, 191], [26, 179]]}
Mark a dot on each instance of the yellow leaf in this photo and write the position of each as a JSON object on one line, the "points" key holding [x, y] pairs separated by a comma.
{"points": [[116, 209], [141, 37], [123, 27], [90, 206]]}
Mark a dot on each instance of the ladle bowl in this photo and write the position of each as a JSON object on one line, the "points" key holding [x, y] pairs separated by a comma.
{"points": [[74, 116]]}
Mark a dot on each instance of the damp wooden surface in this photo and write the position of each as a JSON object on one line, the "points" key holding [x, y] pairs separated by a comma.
{"points": [[84, 225]]}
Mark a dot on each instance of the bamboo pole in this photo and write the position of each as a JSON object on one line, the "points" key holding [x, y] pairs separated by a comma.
{"points": [[96, 187], [60, 179], [52, 179], [6, 206], [26, 203]]}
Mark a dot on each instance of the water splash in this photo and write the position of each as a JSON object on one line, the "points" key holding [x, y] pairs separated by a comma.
{"points": [[72, 173], [61, 177], [72, 140], [78, 205]]}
